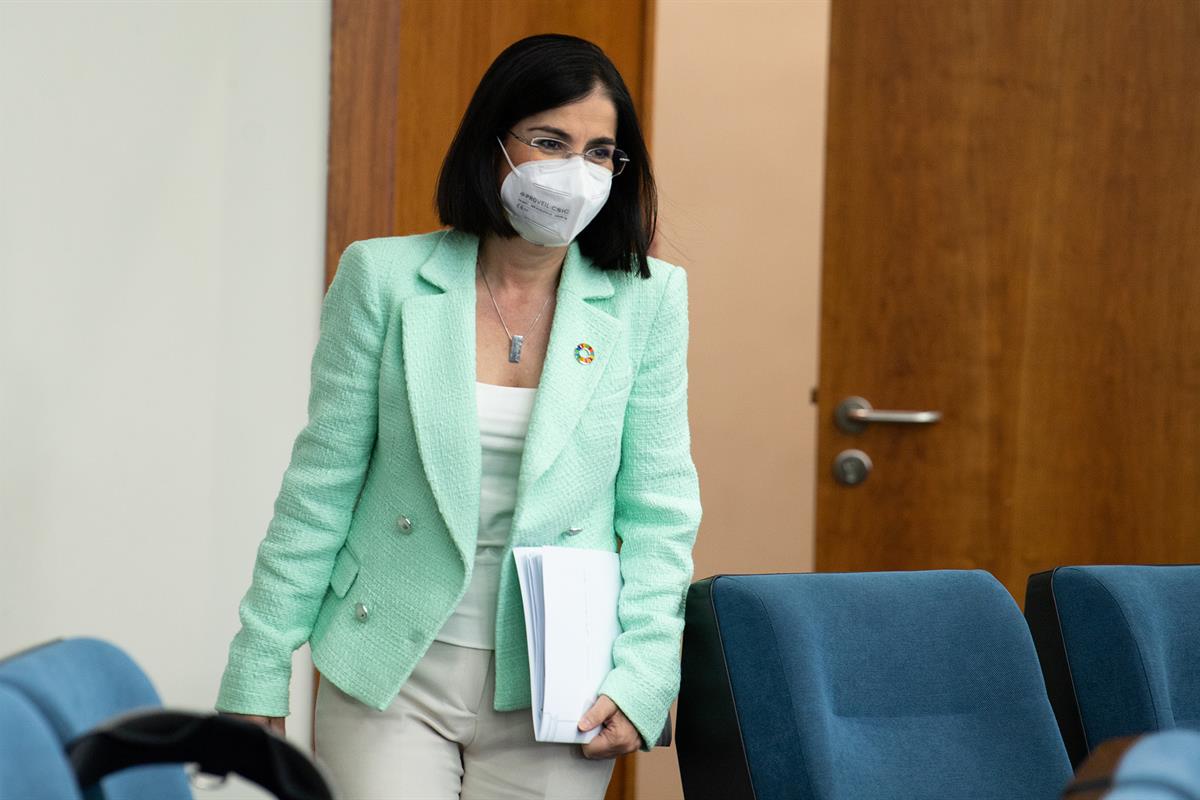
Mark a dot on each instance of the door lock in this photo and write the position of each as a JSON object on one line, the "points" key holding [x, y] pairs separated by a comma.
{"points": [[851, 467]]}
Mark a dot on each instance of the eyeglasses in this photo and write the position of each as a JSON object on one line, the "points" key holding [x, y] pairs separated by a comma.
{"points": [[604, 155]]}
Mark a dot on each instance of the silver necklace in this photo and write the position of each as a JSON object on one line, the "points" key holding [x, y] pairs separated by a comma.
{"points": [[514, 342]]}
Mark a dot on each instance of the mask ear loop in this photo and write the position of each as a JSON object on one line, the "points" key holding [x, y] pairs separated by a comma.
{"points": [[506, 158]]}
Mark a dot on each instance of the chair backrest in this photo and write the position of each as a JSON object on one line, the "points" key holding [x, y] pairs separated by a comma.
{"points": [[1120, 648], [32, 761], [77, 683], [868, 685]]}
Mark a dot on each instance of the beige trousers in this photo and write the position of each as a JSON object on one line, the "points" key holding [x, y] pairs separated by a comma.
{"points": [[441, 739]]}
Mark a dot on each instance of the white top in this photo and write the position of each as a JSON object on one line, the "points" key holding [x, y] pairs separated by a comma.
{"points": [[504, 413]]}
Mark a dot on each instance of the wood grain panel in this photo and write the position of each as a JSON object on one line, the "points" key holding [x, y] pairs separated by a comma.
{"points": [[363, 97], [1011, 201]]}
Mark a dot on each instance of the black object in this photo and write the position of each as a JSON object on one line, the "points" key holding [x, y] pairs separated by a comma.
{"points": [[708, 732], [664, 738], [218, 744], [1041, 613]]}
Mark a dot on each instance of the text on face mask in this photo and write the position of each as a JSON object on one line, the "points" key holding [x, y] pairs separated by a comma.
{"points": [[543, 205]]}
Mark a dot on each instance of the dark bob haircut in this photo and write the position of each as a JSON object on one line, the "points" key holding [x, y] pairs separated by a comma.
{"points": [[532, 75]]}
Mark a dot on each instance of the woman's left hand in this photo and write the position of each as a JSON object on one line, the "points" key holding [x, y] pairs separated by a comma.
{"points": [[618, 737]]}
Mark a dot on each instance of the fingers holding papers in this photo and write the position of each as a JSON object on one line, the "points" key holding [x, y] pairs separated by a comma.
{"points": [[618, 735]]}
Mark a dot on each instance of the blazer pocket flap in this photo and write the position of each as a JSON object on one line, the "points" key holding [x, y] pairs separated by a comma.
{"points": [[345, 568]]}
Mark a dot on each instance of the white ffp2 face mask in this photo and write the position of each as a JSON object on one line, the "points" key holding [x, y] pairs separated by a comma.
{"points": [[550, 201]]}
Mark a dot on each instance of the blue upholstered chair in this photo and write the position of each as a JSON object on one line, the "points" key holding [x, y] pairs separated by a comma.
{"points": [[915, 685], [77, 683], [1120, 649], [32, 762]]}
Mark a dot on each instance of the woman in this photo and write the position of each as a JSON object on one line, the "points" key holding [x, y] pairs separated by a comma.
{"points": [[517, 379]]}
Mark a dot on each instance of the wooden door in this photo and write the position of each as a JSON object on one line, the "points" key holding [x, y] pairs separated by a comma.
{"points": [[1012, 238], [403, 72]]}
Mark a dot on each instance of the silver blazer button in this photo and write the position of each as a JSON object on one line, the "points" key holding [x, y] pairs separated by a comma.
{"points": [[360, 611], [573, 530], [404, 523]]}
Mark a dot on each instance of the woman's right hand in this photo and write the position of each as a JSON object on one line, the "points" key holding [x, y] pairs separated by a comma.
{"points": [[275, 724]]}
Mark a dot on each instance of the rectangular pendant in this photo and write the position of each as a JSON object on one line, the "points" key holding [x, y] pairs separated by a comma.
{"points": [[514, 349]]}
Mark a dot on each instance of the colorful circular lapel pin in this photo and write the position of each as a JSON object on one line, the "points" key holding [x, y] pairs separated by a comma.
{"points": [[584, 353]]}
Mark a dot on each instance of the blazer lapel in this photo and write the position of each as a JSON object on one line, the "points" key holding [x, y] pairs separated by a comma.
{"points": [[566, 385], [438, 338]]}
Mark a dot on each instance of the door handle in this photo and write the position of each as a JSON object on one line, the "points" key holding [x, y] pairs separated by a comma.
{"points": [[854, 414]]}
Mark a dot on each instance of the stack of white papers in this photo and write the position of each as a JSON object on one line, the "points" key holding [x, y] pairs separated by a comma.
{"points": [[570, 599]]}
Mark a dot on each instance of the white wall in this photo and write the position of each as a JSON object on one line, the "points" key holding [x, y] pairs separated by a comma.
{"points": [[162, 215]]}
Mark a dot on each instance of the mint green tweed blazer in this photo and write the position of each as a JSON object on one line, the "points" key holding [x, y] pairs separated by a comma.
{"points": [[379, 504]]}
